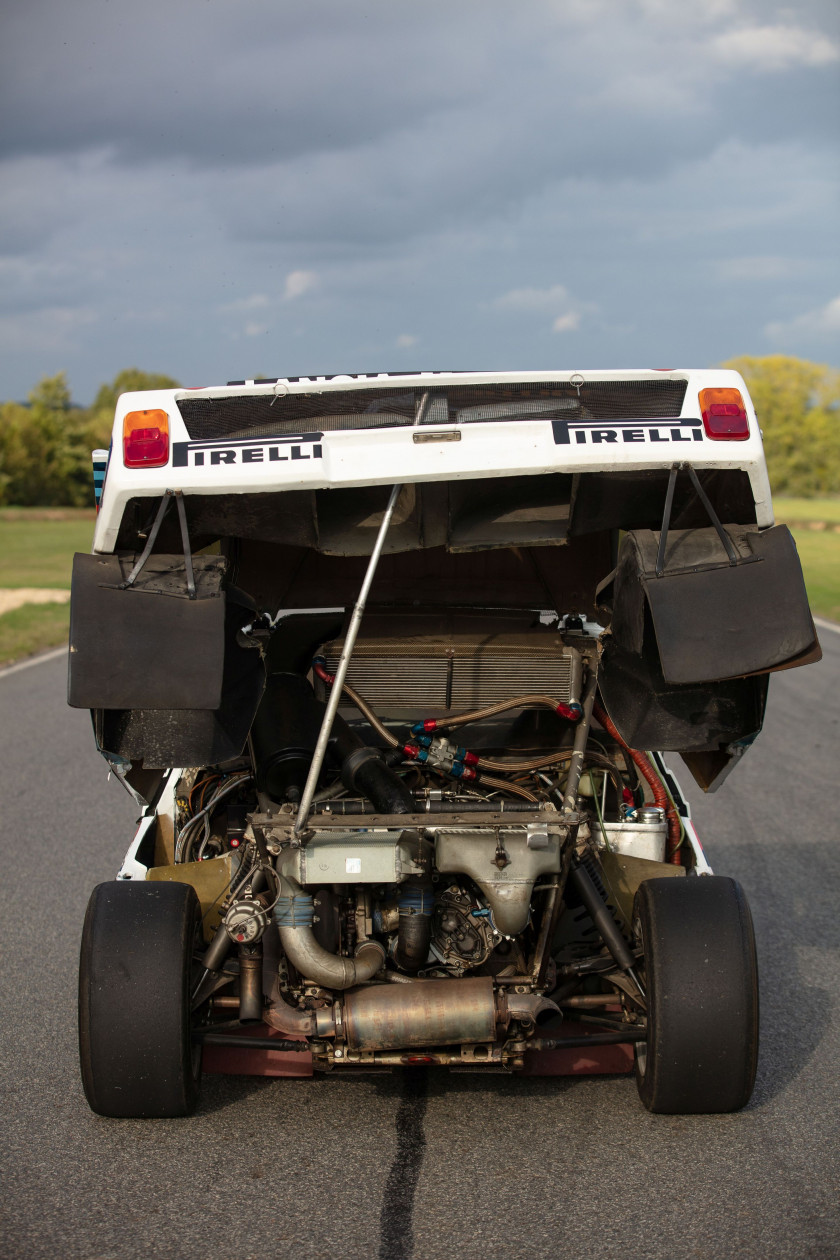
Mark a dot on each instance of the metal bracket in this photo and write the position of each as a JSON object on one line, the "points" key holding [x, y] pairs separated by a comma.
{"points": [[727, 542], [153, 533]]}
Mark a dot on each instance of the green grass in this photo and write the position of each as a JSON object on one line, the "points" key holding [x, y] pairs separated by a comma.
{"points": [[791, 510], [820, 556], [32, 628], [38, 552]]}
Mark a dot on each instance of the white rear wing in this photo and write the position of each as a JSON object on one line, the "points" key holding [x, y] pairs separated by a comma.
{"points": [[258, 437]]}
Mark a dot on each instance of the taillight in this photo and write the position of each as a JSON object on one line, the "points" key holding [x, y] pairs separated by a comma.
{"points": [[724, 415], [145, 439]]}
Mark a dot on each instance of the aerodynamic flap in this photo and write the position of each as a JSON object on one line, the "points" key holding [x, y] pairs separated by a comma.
{"points": [[724, 602], [152, 644]]}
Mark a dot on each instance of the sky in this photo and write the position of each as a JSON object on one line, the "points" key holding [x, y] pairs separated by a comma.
{"points": [[218, 189]]}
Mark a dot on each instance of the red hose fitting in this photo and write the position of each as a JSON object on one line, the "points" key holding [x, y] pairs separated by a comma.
{"points": [[572, 712], [660, 796], [320, 670]]}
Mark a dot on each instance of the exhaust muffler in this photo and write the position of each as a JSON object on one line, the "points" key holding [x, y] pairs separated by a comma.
{"points": [[422, 1013]]}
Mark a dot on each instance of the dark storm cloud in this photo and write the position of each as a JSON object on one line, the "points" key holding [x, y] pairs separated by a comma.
{"points": [[477, 182], [224, 83], [260, 82]]}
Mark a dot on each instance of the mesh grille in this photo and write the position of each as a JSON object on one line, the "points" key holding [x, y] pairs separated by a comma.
{"points": [[264, 415]]}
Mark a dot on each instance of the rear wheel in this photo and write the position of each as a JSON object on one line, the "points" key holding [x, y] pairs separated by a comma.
{"points": [[702, 990], [135, 1048]]}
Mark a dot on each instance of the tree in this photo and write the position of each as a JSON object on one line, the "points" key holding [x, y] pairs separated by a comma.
{"points": [[101, 412], [43, 461], [798, 408], [45, 447]]}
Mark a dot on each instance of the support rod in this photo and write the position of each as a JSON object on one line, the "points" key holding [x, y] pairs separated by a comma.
{"points": [[581, 736], [210, 1038], [341, 669]]}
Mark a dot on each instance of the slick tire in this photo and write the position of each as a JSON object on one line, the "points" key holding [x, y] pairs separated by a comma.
{"points": [[135, 1049], [701, 976]]}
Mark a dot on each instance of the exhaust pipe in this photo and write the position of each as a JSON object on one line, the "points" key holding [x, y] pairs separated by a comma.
{"points": [[294, 914], [419, 1014]]}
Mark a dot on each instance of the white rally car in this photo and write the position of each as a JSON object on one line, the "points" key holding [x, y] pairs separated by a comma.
{"points": [[391, 662]]}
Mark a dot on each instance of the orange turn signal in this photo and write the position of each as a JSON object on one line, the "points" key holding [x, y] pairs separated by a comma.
{"points": [[145, 439], [724, 415]]}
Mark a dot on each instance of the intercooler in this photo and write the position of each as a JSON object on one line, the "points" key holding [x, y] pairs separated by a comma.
{"points": [[433, 676]]}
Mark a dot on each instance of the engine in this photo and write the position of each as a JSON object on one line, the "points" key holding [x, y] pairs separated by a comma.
{"points": [[444, 851]]}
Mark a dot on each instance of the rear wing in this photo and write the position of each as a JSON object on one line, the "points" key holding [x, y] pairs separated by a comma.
{"points": [[269, 436]]}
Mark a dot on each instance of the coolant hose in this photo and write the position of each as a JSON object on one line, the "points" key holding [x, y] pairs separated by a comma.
{"points": [[320, 670], [294, 916], [660, 796], [363, 770], [379, 783]]}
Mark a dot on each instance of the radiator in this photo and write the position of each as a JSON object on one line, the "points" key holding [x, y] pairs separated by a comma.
{"points": [[430, 677]]}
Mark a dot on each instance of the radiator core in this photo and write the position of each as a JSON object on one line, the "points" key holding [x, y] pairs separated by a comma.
{"points": [[429, 677]]}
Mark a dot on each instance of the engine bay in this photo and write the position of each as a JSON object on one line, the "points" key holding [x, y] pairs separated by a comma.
{"points": [[464, 876]]}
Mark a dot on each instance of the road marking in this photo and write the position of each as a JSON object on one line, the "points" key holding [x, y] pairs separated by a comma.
{"points": [[5, 671], [827, 625]]}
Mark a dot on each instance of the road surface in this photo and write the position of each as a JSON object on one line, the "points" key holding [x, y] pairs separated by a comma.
{"points": [[424, 1165]]}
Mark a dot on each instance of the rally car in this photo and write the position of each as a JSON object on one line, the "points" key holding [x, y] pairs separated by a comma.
{"points": [[391, 662]]}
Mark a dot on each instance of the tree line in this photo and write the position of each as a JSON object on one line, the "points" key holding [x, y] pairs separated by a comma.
{"points": [[45, 446], [798, 408]]}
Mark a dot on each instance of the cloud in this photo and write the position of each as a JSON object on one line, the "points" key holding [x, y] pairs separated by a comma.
{"points": [[56, 329], [533, 299], [233, 84], [567, 323], [405, 341], [298, 283], [822, 322], [546, 301], [775, 48], [757, 268], [675, 163], [242, 306]]}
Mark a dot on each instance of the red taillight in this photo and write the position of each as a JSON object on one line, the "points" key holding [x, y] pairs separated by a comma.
{"points": [[724, 415], [145, 439]]}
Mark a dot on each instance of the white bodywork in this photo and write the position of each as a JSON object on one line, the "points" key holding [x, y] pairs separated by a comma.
{"points": [[381, 456]]}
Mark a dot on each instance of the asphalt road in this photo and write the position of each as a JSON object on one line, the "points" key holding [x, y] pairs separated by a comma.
{"points": [[424, 1165]]}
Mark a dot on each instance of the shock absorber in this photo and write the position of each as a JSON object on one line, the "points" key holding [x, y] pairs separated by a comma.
{"points": [[599, 912]]}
